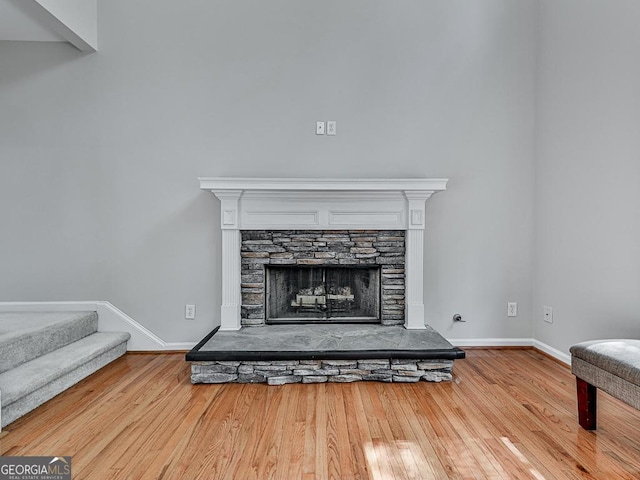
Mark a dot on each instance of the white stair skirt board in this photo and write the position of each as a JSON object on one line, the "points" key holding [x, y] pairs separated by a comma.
{"points": [[110, 319]]}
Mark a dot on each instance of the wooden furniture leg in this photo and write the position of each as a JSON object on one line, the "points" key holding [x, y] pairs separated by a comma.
{"points": [[587, 401]]}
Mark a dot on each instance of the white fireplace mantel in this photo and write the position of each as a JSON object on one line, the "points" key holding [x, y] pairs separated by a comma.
{"points": [[317, 204]]}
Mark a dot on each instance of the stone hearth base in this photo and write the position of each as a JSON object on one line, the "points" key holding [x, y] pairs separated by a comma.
{"points": [[279, 372]]}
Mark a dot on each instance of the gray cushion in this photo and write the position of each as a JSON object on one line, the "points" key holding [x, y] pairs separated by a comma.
{"points": [[619, 357]]}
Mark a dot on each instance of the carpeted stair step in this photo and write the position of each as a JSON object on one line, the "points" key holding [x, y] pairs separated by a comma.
{"points": [[30, 384], [28, 335]]}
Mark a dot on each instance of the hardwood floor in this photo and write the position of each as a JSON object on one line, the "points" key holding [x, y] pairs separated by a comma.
{"points": [[507, 414]]}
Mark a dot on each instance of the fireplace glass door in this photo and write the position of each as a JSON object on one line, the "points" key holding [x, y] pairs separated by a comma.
{"points": [[322, 294]]}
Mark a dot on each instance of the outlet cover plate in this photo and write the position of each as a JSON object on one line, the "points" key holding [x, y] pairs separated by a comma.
{"points": [[512, 309], [548, 314]]}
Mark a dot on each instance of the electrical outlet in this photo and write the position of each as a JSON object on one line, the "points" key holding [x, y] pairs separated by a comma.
{"points": [[190, 312], [331, 127], [512, 309], [548, 314], [319, 128]]}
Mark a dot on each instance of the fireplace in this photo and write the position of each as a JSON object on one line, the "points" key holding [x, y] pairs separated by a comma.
{"points": [[322, 294], [320, 226]]}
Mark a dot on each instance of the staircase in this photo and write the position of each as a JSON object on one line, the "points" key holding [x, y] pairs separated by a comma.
{"points": [[44, 353]]}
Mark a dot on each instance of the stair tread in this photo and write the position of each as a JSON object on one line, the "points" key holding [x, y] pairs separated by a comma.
{"points": [[29, 376], [28, 335]]}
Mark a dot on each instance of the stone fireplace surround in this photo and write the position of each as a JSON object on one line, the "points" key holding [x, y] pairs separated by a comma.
{"points": [[322, 248], [336, 205]]}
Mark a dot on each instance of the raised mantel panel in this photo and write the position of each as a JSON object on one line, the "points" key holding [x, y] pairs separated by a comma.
{"points": [[270, 220]]}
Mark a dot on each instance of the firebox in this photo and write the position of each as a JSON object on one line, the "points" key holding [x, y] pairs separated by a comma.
{"points": [[320, 294]]}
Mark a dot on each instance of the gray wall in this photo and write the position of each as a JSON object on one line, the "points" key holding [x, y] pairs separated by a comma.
{"points": [[100, 153], [587, 241]]}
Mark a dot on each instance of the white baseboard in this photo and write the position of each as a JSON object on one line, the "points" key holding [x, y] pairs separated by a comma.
{"points": [[491, 342], [512, 342], [555, 353], [110, 319]]}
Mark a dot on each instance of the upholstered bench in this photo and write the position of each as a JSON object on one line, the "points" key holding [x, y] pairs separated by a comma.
{"points": [[610, 365]]}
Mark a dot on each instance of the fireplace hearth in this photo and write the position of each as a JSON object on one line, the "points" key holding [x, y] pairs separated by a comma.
{"points": [[279, 354]]}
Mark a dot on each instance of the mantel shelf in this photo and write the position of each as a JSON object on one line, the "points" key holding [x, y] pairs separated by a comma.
{"points": [[323, 184]]}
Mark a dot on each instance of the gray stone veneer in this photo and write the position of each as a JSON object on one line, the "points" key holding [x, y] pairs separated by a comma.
{"points": [[320, 371], [385, 248]]}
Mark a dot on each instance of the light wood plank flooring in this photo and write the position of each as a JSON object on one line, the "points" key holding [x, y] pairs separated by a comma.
{"points": [[507, 414]]}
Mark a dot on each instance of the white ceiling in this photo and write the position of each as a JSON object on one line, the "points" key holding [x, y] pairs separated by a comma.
{"points": [[17, 22]]}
